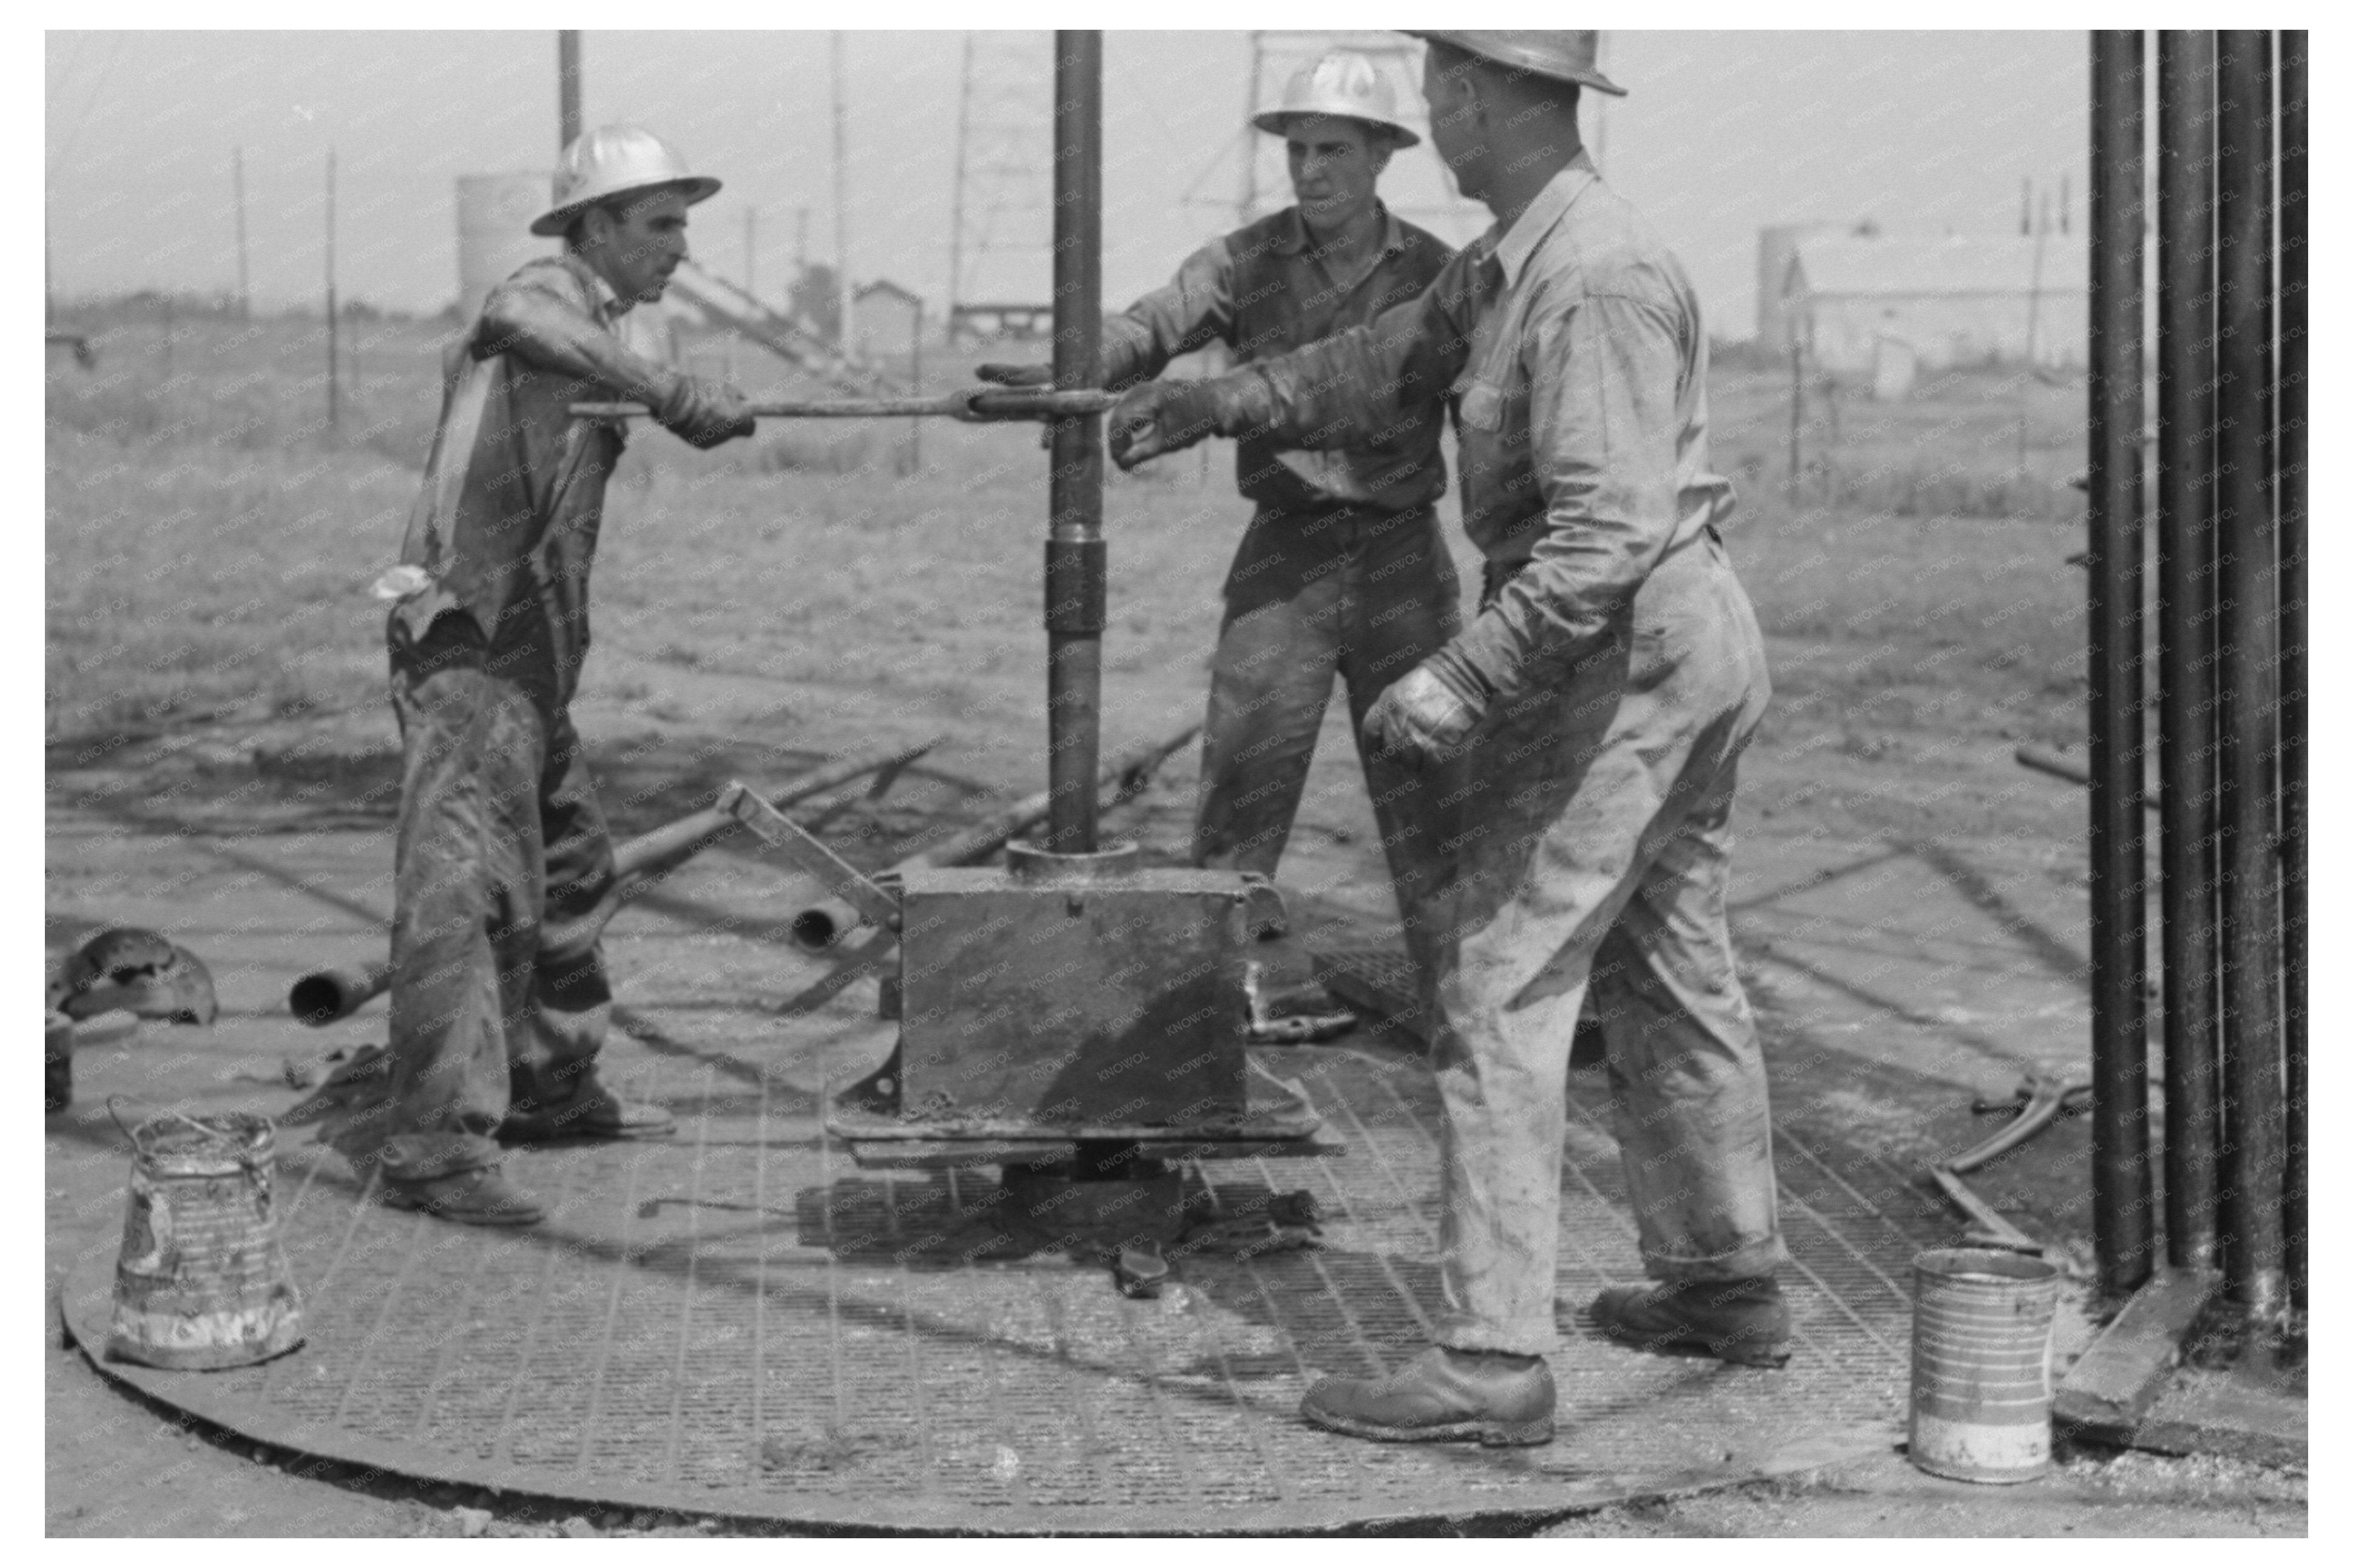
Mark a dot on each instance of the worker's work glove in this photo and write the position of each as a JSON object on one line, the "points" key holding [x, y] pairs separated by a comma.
{"points": [[1016, 374], [703, 413], [1424, 717], [1165, 417]]}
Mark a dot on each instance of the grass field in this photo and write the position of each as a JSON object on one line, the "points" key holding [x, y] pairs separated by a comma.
{"points": [[210, 541]]}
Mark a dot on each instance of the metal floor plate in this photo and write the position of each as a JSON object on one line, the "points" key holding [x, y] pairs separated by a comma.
{"points": [[738, 1321]]}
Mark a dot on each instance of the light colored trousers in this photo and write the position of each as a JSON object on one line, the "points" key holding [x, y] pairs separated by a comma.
{"points": [[1594, 853]]}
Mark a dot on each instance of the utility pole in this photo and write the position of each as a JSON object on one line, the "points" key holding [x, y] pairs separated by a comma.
{"points": [[956, 214], [1247, 199], [842, 303], [800, 242], [748, 288], [330, 288], [244, 293], [1601, 106], [567, 86]]}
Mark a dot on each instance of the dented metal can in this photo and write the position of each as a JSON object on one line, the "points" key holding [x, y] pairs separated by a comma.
{"points": [[1981, 1364], [201, 1282]]}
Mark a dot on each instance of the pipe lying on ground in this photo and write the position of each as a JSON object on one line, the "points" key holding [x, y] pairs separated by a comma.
{"points": [[821, 925], [329, 994]]}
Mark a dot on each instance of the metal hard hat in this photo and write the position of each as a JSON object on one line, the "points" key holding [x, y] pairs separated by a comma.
{"points": [[1561, 55], [610, 161], [1342, 83]]}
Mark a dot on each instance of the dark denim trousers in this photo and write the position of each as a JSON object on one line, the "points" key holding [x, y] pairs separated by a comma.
{"points": [[1359, 594]]}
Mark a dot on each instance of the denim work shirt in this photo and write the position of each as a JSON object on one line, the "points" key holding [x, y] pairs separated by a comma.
{"points": [[1264, 290], [504, 527], [1571, 351]]}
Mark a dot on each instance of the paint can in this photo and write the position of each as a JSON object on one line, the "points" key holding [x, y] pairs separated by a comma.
{"points": [[201, 1281], [1981, 1364]]}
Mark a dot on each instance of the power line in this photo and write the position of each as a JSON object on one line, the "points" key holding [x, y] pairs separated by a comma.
{"points": [[88, 102]]}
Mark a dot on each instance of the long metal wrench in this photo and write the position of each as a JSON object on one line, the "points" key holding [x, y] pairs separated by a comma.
{"points": [[976, 404]]}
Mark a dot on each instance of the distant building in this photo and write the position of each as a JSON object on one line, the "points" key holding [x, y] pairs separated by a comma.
{"points": [[1854, 299], [886, 319]]}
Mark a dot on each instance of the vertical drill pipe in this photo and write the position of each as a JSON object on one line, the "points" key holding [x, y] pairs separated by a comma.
{"points": [[1075, 573], [2122, 1226], [567, 86], [2288, 414], [2252, 1262], [2185, 598]]}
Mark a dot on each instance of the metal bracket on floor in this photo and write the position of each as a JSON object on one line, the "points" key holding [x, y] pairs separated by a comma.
{"points": [[2039, 1102]]}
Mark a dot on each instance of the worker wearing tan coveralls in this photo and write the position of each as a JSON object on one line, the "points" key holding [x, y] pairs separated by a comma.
{"points": [[499, 992], [1340, 569], [1604, 690]]}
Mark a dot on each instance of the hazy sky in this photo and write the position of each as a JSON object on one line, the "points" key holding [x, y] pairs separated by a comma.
{"points": [[1926, 132]]}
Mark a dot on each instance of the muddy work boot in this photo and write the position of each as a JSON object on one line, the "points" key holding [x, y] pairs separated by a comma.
{"points": [[602, 1116], [1441, 1396], [1740, 1320], [476, 1197]]}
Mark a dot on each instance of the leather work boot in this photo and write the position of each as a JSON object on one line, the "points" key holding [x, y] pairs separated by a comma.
{"points": [[1740, 1320], [1441, 1396], [602, 1115], [477, 1197]]}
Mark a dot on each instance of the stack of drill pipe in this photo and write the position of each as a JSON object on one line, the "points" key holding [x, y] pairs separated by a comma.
{"points": [[827, 924], [641, 863]]}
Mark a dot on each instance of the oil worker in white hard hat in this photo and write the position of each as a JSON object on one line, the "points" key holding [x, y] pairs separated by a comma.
{"points": [[1603, 695], [1340, 569], [499, 993]]}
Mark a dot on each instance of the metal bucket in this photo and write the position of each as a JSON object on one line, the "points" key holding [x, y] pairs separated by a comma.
{"points": [[201, 1281], [1981, 1364]]}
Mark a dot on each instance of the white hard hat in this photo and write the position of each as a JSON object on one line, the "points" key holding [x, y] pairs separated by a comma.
{"points": [[610, 161], [1342, 83], [1571, 56]]}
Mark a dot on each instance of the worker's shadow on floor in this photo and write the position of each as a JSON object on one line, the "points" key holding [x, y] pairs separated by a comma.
{"points": [[1337, 1309]]}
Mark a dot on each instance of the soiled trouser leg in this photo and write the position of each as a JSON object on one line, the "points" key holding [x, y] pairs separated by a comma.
{"points": [[1277, 650], [1402, 605], [1602, 799], [551, 1053], [466, 901], [1686, 1070]]}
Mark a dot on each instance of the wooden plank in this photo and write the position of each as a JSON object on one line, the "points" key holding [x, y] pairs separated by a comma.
{"points": [[2121, 1375], [2250, 1410]]}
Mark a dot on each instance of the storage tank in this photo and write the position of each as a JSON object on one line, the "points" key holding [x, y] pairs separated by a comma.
{"points": [[494, 236]]}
